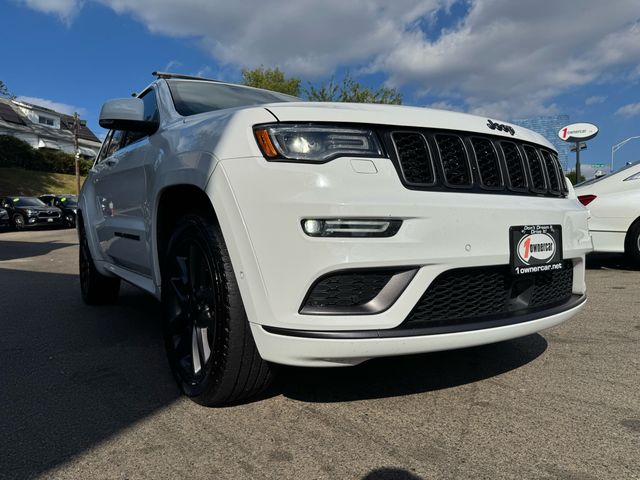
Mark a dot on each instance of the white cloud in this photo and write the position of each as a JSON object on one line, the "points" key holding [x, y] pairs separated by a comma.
{"points": [[513, 58], [504, 58], [596, 99], [66, 10], [444, 105], [57, 106], [171, 64], [629, 110]]}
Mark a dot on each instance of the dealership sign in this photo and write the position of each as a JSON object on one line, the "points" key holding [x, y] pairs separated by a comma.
{"points": [[578, 132]]}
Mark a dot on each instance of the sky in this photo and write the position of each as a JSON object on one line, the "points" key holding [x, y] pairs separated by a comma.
{"points": [[502, 59]]}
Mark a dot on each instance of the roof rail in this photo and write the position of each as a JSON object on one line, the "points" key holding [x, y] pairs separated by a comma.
{"points": [[166, 75]]}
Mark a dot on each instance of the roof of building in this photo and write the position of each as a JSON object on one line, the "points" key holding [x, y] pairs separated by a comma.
{"points": [[13, 118]]}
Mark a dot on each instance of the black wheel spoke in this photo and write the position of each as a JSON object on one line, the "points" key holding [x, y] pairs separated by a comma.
{"points": [[189, 307]]}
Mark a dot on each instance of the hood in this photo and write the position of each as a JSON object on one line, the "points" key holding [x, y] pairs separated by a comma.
{"points": [[398, 115], [44, 208]]}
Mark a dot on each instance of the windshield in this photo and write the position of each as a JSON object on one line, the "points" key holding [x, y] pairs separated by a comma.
{"points": [[69, 201], [193, 97], [27, 202]]}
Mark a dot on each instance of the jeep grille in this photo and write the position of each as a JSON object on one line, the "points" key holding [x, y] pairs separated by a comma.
{"points": [[428, 160]]}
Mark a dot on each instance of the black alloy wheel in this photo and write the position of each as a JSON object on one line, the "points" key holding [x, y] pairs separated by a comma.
{"points": [[207, 335], [193, 304], [18, 221]]}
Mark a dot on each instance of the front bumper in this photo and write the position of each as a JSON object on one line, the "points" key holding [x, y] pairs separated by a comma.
{"points": [[260, 206], [323, 351], [42, 221]]}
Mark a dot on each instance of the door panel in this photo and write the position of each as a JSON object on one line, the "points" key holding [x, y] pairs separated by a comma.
{"points": [[120, 188]]}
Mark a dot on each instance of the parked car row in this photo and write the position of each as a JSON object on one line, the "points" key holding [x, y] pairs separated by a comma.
{"points": [[51, 210]]}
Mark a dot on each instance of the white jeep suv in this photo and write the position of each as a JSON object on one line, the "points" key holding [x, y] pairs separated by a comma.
{"points": [[324, 234]]}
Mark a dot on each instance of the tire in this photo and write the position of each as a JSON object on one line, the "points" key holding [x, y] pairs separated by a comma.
{"points": [[18, 222], [632, 243], [209, 343], [70, 220], [96, 288]]}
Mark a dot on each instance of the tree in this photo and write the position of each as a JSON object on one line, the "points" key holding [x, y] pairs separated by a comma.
{"points": [[352, 91], [271, 79], [4, 91], [572, 176]]}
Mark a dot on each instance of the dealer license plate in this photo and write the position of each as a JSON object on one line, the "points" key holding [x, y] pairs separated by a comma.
{"points": [[535, 248]]}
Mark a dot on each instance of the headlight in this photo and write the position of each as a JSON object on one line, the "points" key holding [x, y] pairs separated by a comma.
{"points": [[316, 143], [32, 213]]}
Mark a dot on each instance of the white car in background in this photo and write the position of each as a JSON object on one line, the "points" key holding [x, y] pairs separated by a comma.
{"points": [[614, 203], [324, 234]]}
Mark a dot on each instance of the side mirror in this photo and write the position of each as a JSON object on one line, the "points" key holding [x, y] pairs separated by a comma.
{"points": [[126, 114]]}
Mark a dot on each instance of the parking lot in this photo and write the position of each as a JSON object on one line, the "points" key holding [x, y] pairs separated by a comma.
{"points": [[86, 393]]}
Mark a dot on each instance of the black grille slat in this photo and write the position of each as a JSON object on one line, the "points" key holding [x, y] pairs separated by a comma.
{"points": [[563, 183], [515, 165], [487, 161], [454, 160], [414, 157], [439, 160], [535, 169], [552, 172], [346, 289], [470, 295]]}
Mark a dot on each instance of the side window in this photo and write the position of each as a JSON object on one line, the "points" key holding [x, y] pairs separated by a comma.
{"points": [[150, 113], [105, 147], [114, 144]]}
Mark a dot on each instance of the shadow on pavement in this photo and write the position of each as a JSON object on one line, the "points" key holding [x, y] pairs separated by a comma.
{"points": [[72, 375], [611, 261], [10, 250], [391, 474], [395, 376]]}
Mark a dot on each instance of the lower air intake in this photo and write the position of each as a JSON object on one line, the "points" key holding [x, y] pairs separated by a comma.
{"points": [[469, 295]]}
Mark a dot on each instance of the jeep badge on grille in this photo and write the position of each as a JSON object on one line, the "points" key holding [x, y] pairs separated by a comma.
{"points": [[500, 127]]}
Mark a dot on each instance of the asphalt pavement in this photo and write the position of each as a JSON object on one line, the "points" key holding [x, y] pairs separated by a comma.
{"points": [[86, 393]]}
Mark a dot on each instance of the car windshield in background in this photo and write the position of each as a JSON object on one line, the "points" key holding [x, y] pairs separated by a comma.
{"points": [[69, 201], [193, 97], [27, 202]]}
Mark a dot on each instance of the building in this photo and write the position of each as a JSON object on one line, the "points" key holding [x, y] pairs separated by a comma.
{"points": [[548, 127], [45, 128]]}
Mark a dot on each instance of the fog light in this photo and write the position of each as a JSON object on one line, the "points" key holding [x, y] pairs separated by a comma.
{"points": [[351, 227], [31, 220]]}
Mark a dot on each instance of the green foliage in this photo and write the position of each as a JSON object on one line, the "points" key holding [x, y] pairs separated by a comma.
{"points": [[17, 153], [271, 79], [352, 91], [572, 176], [4, 91]]}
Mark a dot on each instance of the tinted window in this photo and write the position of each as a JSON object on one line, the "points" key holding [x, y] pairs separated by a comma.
{"points": [[193, 97], [114, 144], [70, 201], [105, 147], [27, 202], [150, 114]]}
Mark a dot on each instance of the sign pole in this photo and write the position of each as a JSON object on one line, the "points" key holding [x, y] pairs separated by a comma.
{"points": [[577, 162]]}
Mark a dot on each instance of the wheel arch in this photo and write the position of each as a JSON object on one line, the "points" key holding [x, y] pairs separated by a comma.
{"points": [[627, 236], [172, 203]]}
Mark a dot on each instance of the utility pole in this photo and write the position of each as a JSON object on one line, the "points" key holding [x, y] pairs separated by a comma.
{"points": [[77, 123], [76, 128]]}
